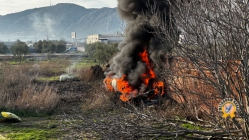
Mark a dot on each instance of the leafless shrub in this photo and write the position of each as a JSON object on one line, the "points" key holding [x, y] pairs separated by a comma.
{"points": [[213, 52]]}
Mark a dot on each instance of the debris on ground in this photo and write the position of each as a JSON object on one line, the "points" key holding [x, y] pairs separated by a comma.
{"points": [[10, 117]]}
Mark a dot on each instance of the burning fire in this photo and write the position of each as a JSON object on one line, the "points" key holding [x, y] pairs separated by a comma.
{"points": [[127, 90], [121, 85]]}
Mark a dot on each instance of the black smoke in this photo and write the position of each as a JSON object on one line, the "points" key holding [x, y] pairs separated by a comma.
{"points": [[139, 36]]}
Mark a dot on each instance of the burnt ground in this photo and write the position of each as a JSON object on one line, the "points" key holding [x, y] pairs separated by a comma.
{"points": [[71, 91]]}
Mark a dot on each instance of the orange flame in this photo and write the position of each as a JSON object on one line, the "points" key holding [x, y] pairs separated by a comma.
{"points": [[121, 85], [159, 87], [108, 84], [149, 74], [128, 91]]}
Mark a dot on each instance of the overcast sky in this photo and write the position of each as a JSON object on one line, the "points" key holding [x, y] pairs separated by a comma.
{"points": [[12, 6]]}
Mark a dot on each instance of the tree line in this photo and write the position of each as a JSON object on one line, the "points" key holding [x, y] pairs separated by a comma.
{"points": [[3, 48], [21, 48], [101, 52], [51, 46]]}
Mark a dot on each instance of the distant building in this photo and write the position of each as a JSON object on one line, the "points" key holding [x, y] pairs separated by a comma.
{"points": [[104, 38], [30, 45], [68, 45]]}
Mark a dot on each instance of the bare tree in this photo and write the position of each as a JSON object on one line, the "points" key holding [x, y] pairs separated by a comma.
{"points": [[212, 56]]}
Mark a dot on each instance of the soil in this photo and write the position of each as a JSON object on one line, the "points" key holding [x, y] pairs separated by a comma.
{"points": [[71, 90]]}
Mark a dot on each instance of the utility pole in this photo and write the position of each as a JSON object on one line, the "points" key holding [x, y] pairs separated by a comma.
{"points": [[47, 36]]}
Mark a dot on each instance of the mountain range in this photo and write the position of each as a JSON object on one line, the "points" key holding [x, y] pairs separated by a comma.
{"points": [[58, 22]]}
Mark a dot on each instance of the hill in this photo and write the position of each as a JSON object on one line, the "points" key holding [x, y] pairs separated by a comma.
{"points": [[58, 22]]}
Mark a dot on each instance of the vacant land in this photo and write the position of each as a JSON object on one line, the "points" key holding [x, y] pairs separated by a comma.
{"points": [[33, 90], [80, 107]]}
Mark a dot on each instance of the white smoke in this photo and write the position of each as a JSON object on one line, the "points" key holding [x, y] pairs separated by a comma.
{"points": [[43, 24], [70, 73]]}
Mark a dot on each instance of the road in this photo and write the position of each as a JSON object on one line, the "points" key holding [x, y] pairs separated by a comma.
{"points": [[81, 49], [39, 56]]}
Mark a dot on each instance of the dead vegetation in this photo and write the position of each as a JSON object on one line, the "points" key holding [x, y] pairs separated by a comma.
{"points": [[214, 67], [91, 74], [19, 92], [86, 110]]}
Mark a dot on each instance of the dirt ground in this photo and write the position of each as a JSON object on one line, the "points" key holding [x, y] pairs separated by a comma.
{"points": [[80, 116], [87, 111], [67, 120], [75, 117]]}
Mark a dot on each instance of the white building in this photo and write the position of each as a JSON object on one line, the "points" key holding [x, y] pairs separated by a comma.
{"points": [[104, 38]]}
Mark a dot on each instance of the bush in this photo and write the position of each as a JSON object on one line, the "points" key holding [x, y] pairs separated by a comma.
{"points": [[101, 52], [19, 48], [3, 48]]}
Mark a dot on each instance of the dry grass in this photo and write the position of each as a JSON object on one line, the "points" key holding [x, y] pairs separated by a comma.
{"points": [[84, 74], [93, 73], [14, 79], [33, 99], [98, 97], [51, 68], [18, 92]]}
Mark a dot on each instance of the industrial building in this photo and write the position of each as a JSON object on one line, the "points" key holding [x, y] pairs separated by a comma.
{"points": [[104, 38]]}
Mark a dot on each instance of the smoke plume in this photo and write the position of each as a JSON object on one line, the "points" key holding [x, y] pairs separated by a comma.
{"points": [[43, 25], [138, 37]]}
